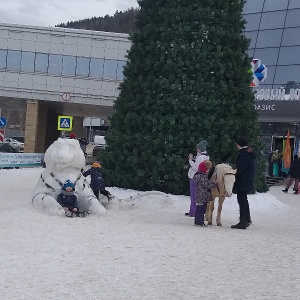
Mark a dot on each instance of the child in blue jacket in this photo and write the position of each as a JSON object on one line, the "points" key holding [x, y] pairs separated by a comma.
{"points": [[67, 199], [97, 182]]}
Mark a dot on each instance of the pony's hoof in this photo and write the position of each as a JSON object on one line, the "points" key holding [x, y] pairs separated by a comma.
{"points": [[209, 223], [220, 225]]}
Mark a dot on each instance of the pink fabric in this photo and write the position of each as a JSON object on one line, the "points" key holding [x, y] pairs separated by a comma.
{"points": [[202, 167]]}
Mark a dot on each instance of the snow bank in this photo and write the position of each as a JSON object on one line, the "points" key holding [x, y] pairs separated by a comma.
{"points": [[154, 200]]}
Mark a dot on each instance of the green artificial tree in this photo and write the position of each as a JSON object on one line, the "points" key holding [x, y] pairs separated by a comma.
{"points": [[186, 79]]}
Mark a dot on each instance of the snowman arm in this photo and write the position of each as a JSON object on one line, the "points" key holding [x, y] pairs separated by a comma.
{"points": [[46, 184], [45, 194]]}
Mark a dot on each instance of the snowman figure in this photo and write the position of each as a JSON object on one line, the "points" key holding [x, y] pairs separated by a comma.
{"points": [[64, 161]]}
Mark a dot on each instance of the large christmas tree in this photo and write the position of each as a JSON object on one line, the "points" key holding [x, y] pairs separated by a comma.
{"points": [[186, 79]]}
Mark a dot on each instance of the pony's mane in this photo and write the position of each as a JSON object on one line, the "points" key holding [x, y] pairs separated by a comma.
{"points": [[220, 169]]}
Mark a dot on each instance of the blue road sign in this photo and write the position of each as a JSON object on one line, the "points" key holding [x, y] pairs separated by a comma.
{"points": [[65, 123], [3, 122]]}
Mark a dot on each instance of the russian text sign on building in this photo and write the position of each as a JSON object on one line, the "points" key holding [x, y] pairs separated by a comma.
{"points": [[277, 94], [259, 71], [65, 123]]}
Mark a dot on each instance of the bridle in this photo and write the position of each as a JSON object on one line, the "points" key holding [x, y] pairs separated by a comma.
{"points": [[224, 175]]}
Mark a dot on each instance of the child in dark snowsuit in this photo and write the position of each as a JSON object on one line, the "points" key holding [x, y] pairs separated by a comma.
{"points": [[203, 191], [67, 199], [97, 182]]}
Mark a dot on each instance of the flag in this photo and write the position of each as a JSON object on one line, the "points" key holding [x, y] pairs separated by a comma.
{"points": [[287, 152]]}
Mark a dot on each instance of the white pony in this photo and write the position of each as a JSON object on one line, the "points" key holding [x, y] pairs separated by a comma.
{"points": [[64, 161], [224, 175]]}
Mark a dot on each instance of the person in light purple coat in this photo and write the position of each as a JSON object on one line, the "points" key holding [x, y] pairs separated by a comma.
{"points": [[194, 164]]}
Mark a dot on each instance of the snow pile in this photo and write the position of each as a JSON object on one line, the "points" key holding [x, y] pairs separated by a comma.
{"points": [[258, 201], [154, 200]]}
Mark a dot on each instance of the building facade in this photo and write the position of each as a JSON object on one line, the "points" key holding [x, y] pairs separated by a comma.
{"points": [[274, 29], [58, 71]]}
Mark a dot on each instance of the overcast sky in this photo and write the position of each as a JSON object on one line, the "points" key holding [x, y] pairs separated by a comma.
{"points": [[53, 12]]}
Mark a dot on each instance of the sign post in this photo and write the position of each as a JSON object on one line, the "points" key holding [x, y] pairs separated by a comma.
{"points": [[65, 123], [3, 123], [2, 133]]}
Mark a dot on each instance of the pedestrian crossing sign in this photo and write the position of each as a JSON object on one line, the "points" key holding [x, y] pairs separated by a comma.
{"points": [[65, 123]]}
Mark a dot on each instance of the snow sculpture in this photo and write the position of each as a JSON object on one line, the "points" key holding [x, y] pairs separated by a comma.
{"points": [[64, 160]]}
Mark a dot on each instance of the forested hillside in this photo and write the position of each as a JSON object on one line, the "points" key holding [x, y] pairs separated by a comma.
{"points": [[121, 22]]}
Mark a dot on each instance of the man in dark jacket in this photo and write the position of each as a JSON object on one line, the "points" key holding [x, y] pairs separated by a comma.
{"points": [[294, 173], [244, 182]]}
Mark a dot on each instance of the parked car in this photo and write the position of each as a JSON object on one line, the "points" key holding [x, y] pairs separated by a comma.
{"points": [[99, 140], [19, 138], [7, 148], [16, 144], [100, 145]]}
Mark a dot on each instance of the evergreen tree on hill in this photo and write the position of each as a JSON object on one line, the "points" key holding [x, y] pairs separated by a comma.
{"points": [[121, 22], [186, 79]]}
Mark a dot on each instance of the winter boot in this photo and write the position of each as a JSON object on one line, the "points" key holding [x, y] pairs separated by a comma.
{"points": [[84, 214], [109, 197], [242, 224], [239, 225], [69, 214]]}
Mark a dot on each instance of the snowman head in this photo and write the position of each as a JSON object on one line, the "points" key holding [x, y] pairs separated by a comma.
{"points": [[64, 154]]}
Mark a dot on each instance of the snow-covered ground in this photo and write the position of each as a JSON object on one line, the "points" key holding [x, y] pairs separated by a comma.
{"points": [[148, 250]]}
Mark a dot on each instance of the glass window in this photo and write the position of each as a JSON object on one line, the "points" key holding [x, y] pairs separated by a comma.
{"points": [[253, 6], [13, 60], [121, 65], [110, 69], [96, 67], [252, 35], [272, 20], [3, 54], [251, 53], [287, 73], [83, 66], [289, 56], [292, 19], [69, 65], [271, 5], [294, 4], [267, 56], [291, 37], [55, 64], [27, 61], [269, 38], [252, 21], [41, 62]]}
